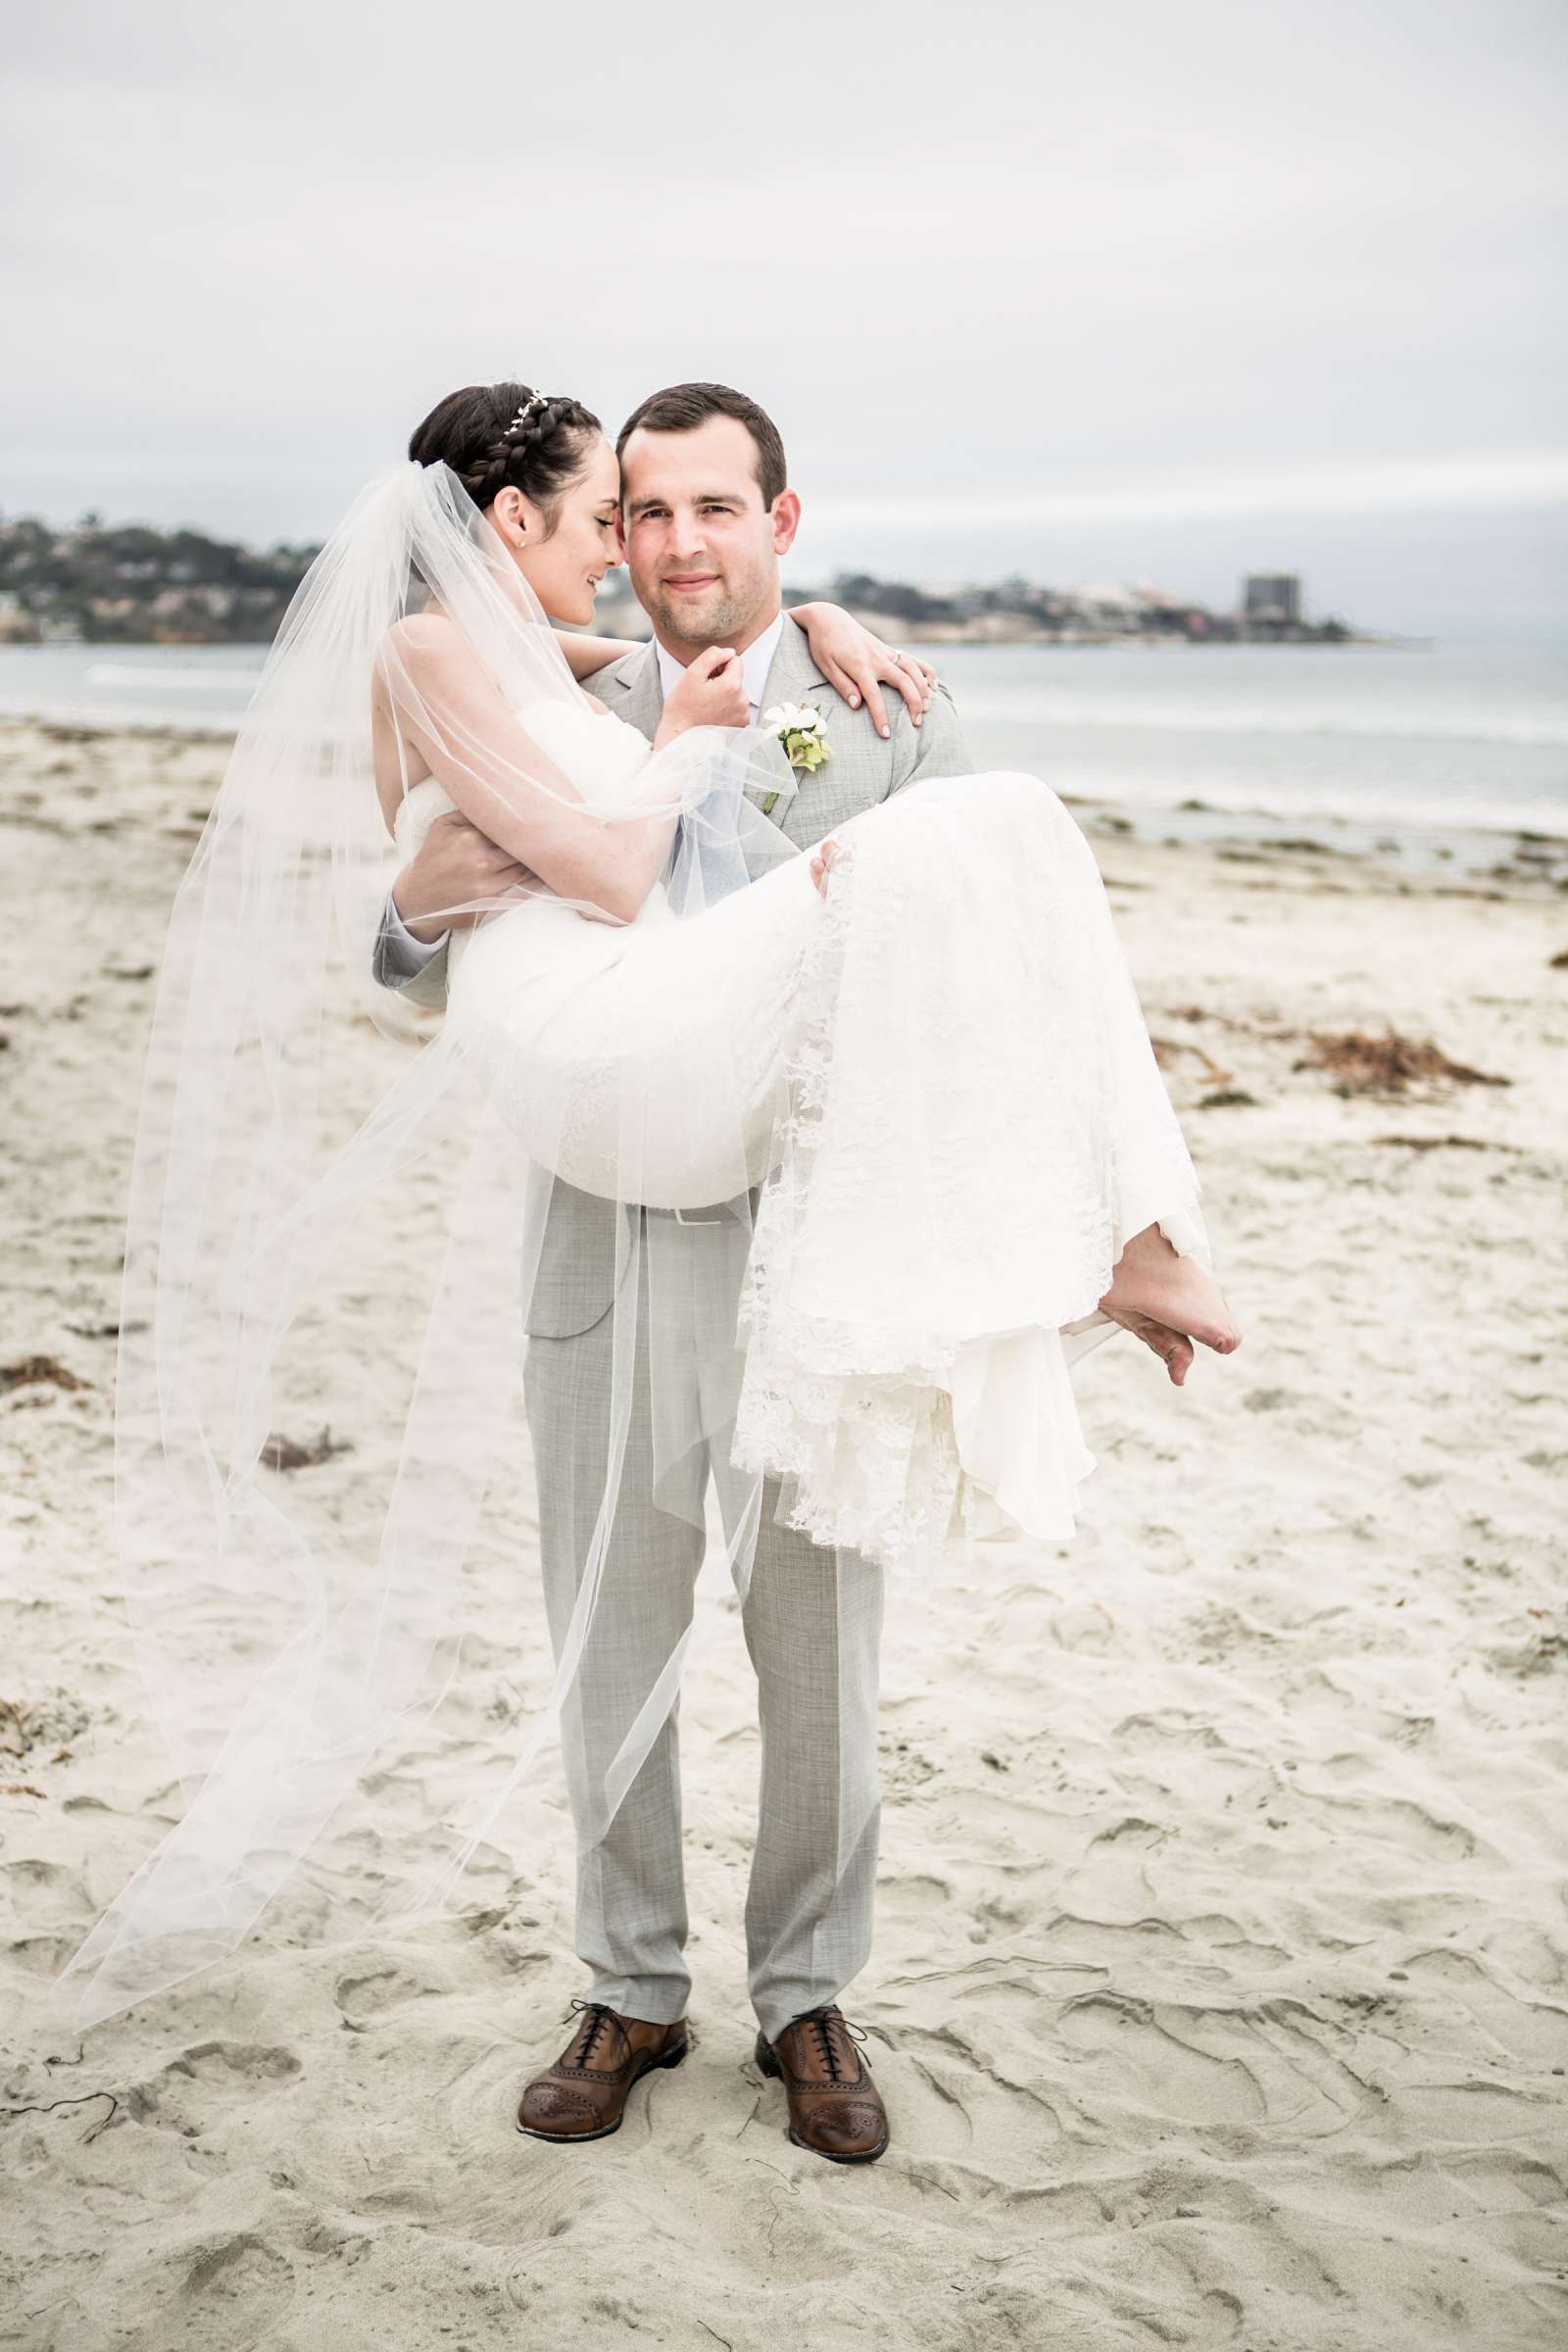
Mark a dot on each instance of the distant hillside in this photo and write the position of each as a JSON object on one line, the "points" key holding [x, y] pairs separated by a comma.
{"points": [[123, 583], [1020, 612]]}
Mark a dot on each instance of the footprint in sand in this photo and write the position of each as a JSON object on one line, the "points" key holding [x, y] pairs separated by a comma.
{"points": [[207, 2082], [43, 1893], [220, 2294], [1142, 2062], [372, 1993]]}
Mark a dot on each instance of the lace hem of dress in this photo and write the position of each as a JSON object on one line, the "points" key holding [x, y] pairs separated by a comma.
{"points": [[854, 1411]]}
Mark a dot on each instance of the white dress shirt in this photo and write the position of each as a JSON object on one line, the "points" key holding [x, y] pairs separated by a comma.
{"points": [[407, 956], [756, 662]]}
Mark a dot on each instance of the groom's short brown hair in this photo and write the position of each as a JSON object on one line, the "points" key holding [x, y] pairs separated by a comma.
{"points": [[684, 406]]}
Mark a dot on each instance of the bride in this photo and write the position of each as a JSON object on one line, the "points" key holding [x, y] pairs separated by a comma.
{"points": [[910, 1066]]}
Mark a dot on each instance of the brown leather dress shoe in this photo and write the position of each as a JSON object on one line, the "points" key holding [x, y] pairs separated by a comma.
{"points": [[583, 2095], [835, 2108]]}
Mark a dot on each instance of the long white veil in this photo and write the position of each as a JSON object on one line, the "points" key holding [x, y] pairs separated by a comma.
{"points": [[289, 1648]]}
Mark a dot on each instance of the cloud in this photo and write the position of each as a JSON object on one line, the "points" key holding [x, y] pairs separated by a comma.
{"points": [[1387, 486], [978, 262]]}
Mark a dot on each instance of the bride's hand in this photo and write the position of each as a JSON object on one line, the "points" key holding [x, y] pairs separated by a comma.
{"points": [[822, 858], [712, 694], [857, 664]]}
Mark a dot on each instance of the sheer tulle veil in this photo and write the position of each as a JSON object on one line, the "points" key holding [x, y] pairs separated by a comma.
{"points": [[300, 1144]]}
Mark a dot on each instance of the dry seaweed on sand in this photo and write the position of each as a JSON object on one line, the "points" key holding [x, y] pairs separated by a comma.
{"points": [[1365, 1065], [1444, 1142], [287, 1453], [1166, 1048], [37, 1371], [30, 1723]]}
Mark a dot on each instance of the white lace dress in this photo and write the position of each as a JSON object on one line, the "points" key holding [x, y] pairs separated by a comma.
{"points": [[941, 1077]]}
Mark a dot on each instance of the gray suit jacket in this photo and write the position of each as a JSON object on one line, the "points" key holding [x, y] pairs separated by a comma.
{"points": [[582, 1253]]}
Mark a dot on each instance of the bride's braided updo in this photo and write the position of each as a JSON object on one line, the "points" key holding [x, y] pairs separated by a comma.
{"points": [[500, 437]]}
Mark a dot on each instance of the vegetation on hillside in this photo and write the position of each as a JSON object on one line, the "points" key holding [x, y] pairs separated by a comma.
{"points": [[126, 583]]}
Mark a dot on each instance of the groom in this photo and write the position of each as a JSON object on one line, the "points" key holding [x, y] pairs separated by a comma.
{"points": [[706, 513]]}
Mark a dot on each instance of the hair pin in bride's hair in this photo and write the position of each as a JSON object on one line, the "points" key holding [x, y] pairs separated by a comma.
{"points": [[529, 408]]}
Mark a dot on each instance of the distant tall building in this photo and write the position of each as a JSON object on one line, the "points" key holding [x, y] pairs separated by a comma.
{"points": [[1272, 596]]}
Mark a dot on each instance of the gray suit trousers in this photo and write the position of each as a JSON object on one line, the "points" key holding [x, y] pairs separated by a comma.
{"points": [[812, 1623]]}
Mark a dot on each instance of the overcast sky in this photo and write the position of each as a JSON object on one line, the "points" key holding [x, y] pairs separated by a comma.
{"points": [[1137, 289]]}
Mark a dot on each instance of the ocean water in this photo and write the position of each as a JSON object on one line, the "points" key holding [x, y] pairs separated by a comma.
{"points": [[188, 687], [1434, 750]]}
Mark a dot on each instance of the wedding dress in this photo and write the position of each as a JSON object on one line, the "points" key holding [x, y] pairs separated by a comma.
{"points": [[939, 1075], [934, 1083]]}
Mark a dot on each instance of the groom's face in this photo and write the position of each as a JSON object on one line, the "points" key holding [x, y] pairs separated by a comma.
{"points": [[702, 548]]}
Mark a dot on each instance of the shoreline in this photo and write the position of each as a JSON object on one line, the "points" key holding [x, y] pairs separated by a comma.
{"points": [[631, 623], [1538, 864]]}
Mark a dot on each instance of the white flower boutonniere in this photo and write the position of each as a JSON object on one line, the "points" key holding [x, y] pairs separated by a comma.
{"points": [[800, 729]]}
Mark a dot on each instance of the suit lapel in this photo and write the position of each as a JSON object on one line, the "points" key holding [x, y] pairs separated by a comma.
{"points": [[792, 673], [633, 691]]}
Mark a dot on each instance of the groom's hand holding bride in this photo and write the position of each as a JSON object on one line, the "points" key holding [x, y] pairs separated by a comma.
{"points": [[454, 865], [822, 858]]}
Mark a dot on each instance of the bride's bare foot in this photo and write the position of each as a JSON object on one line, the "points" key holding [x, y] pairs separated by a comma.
{"points": [[1173, 1349], [1158, 1295]]}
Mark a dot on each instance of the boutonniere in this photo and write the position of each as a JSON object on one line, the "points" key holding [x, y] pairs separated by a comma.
{"points": [[798, 728]]}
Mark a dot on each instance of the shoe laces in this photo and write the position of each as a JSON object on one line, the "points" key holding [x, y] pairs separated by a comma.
{"points": [[596, 2016], [826, 2022]]}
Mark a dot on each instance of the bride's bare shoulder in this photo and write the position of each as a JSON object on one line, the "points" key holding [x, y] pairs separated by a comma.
{"points": [[425, 637]]}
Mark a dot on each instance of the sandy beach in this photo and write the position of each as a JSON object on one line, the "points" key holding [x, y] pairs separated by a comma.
{"points": [[1220, 1988]]}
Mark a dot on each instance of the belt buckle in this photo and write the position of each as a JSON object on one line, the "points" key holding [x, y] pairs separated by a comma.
{"points": [[682, 1218]]}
